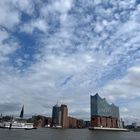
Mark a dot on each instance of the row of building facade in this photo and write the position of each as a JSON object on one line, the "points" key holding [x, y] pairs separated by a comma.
{"points": [[43, 121], [103, 114]]}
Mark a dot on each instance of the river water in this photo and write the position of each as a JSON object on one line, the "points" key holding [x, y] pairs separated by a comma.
{"points": [[66, 134]]}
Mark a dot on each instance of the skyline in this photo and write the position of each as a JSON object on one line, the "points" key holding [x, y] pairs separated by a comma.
{"points": [[67, 50]]}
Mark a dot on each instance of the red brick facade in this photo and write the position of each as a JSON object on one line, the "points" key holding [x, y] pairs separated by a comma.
{"points": [[64, 116], [72, 122], [98, 121]]}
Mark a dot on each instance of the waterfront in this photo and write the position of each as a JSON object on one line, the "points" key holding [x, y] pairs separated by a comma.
{"points": [[66, 134]]}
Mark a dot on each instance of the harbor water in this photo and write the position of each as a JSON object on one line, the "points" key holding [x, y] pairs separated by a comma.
{"points": [[66, 134]]}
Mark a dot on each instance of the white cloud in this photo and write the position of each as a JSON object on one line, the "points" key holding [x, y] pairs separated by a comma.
{"points": [[39, 24], [9, 17], [26, 6], [80, 52], [11, 12], [97, 2], [126, 4], [128, 27], [6, 48], [3, 35], [125, 91], [62, 5]]}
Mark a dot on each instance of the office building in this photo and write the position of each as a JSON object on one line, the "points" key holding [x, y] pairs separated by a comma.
{"points": [[60, 116], [56, 116]]}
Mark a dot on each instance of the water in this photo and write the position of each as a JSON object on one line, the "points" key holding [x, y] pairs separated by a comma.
{"points": [[66, 134]]}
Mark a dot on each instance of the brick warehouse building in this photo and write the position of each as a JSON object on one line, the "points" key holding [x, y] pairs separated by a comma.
{"points": [[102, 113]]}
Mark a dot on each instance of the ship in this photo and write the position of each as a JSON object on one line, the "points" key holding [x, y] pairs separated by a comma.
{"points": [[108, 129], [17, 124]]}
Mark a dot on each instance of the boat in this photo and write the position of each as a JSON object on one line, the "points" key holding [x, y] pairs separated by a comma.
{"points": [[18, 124], [57, 127], [109, 129]]}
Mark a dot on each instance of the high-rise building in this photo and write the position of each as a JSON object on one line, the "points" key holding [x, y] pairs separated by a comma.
{"points": [[60, 116], [56, 116], [102, 113], [64, 116]]}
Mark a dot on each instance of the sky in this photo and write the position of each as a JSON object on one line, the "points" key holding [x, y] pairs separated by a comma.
{"points": [[63, 51]]}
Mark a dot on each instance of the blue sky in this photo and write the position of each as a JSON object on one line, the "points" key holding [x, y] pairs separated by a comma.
{"points": [[65, 50]]}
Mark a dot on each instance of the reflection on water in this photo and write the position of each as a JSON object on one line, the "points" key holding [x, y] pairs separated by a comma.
{"points": [[66, 134]]}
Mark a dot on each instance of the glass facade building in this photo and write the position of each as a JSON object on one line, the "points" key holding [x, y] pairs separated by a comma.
{"points": [[103, 114], [56, 115], [100, 107]]}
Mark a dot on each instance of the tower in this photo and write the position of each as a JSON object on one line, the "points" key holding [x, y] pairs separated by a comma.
{"points": [[56, 116], [64, 116]]}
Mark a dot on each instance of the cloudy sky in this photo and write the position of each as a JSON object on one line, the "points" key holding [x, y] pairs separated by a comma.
{"points": [[65, 50]]}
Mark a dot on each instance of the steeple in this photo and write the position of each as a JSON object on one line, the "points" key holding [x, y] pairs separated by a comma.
{"points": [[22, 112]]}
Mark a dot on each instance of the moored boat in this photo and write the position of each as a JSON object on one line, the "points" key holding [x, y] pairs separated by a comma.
{"points": [[16, 125], [19, 123], [109, 129]]}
